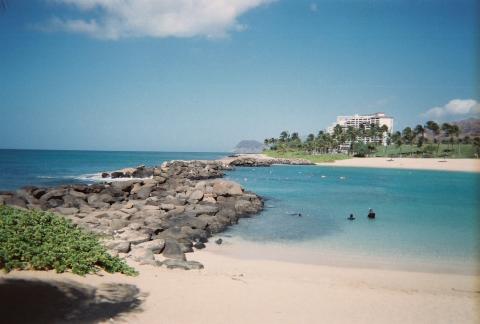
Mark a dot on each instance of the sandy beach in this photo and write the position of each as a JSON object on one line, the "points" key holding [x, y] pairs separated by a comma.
{"points": [[463, 165], [242, 290]]}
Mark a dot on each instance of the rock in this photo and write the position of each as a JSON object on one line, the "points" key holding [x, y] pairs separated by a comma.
{"points": [[118, 246], [16, 201], [135, 226], [167, 207], [37, 193], [77, 194], [186, 246], [219, 241], [52, 203], [215, 224], [143, 256], [86, 209], [173, 233], [206, 209], [196, 195], [173, 250], [105, 175], [53, 194], [150, 207], [160, 179], [156, 246], [125, 186], [209, 200], [142, 172], [66, 211], [223, 187], [134, 237], [136, 188], [100, 214], [117, 224], [128, 205], [181, 264], [100, 198], [244, 207], [117, 174], [199, 245]]}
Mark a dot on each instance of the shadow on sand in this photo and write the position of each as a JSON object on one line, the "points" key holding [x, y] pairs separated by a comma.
{"points": [[36, 301]]}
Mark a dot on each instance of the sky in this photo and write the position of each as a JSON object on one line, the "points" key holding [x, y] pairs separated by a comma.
{"points": [[183, 75]]}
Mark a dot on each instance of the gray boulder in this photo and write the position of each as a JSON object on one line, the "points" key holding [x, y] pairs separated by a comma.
{"points": [[118, 246], [156, 246], [143, 256], [182, 264], [173, 250]]}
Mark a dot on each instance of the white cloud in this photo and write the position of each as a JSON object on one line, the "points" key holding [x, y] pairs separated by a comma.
{"points": [[113, 19], [455, 107], [313, 7]]}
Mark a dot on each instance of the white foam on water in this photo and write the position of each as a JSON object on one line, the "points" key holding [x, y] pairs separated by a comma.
{"points": [[97, 177]]}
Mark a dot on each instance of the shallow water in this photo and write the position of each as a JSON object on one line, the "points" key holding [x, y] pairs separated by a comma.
{"points": [[422, 216]]}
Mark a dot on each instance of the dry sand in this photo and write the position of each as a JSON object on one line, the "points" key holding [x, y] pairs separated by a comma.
{"points": [[238, 290], [464, 165]]}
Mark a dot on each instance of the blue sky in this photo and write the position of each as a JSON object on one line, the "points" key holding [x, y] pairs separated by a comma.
{"points": [[163, 75]]}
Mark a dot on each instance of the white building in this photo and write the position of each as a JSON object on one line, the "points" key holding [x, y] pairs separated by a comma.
{"points": [[356, 121]]}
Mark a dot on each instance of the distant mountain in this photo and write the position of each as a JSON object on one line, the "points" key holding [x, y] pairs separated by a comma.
{"points": [[249, 146], [469, 127]]}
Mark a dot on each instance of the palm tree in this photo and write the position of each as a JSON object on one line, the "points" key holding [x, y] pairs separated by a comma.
{"points": [[338, 138], [420, 130], [310, 143], [351, 136], [284, 136], [433, 126], [447, 131], [383, 133], [407, 135], [397, 140], [476, 145], [455, 132]]}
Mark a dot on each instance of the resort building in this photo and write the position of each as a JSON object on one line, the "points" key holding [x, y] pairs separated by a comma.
{"points": [[359, 121]]}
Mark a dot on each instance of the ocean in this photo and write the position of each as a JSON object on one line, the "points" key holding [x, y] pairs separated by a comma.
{"points": [[47, 168], [425, 219]]}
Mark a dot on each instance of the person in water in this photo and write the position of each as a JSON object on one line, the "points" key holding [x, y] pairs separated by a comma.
{"points": [[351, 217], [371, 213]]}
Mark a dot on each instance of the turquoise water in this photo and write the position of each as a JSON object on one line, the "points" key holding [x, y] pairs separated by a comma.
{"points": [[422, 216], [50, 167]]}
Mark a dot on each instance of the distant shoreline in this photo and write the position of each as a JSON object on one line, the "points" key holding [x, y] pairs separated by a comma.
{"points": [[435, 164]]}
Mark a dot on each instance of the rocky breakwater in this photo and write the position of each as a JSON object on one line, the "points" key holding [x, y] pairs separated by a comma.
{"points": [[262, 161], [152, 221]]}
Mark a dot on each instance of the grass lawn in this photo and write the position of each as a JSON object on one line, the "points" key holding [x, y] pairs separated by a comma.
{"points": [[320, 158], [428, 150]]}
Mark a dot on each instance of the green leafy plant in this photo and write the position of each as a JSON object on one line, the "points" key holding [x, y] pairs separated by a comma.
{"points": [[44, 241]]}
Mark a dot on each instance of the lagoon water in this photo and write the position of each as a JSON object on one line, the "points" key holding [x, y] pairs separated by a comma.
{"points": [[423, 217]]}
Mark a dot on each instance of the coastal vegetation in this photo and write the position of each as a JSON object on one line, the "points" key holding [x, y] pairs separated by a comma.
{"points": [[428, 140], [38, 240]]}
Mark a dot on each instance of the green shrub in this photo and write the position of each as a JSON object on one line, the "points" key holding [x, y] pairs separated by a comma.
{"points": [[44, 241]]}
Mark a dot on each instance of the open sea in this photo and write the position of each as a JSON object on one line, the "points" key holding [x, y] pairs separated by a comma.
{"points": [[425, 219]]}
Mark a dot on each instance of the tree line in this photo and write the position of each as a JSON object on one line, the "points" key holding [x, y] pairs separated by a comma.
{"points": [[366, 139]]}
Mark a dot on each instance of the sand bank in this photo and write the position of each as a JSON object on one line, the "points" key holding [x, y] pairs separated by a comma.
{"points": [[239, 290], [464, 165]]}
